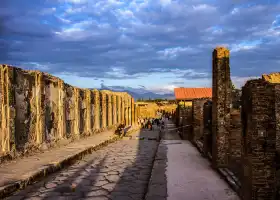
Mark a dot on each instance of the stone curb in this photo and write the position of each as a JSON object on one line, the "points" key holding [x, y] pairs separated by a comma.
{"points": [[7, 190]]}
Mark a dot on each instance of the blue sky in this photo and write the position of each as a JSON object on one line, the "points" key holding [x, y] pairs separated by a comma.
{"points": [[152, 45]]}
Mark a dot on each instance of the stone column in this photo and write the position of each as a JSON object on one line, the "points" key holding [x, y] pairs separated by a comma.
{"points": [[260, 130], [103, 109], [96, 110], [221, 93]]}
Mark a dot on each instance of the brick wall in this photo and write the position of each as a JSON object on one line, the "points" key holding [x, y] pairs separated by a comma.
{"points": [[38, 109]]}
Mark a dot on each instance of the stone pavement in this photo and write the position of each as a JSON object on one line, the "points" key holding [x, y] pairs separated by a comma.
{"points": [[22, 171], [181, 173], [119, 171]]}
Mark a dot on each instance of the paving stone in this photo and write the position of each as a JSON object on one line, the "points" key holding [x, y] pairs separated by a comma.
{"points": [[121, 170]]}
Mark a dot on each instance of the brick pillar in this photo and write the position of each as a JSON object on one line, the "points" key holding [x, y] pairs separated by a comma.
{"points": [[114, 104], [109, 111], [260, 128], [96, 110], [103, 109], [221, 85], [61, 110]]}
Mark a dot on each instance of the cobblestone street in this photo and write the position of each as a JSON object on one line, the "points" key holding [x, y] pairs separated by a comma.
{"points": [[119, 171]]}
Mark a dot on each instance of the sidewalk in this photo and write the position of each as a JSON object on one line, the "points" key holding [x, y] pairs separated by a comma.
{"points": [[180, 172], [22, 172]]}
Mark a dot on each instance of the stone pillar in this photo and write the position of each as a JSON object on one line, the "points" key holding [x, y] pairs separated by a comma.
{"points": [[96, 110], [129, 111], [88, 113], [260, 129], [119, 107], [132, 112], [123, 109], [61, 110], [126, 110], [5, 131], [114, 104], [103, 109], [109, 111], [76, 112], [221, 85]]}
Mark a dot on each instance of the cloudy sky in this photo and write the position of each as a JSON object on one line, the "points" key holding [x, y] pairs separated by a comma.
{"points": [[154, 45]]}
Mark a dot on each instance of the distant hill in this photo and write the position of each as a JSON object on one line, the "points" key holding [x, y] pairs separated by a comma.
{"points": [[139, 93]]}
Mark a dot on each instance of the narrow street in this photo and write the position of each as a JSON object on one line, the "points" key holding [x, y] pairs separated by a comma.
{"points": [[119, 171], [136, 168]]}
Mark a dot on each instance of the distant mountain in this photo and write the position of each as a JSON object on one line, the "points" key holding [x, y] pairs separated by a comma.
{"points": [[139, 93]]}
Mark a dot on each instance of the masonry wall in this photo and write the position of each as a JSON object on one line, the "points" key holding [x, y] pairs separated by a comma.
{"points": [[260, 123], [38, 109], [197, 119]]}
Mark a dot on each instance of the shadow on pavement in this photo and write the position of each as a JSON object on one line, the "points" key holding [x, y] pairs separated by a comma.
{"points": [[121, 170]]}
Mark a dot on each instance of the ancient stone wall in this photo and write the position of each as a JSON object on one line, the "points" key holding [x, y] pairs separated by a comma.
{"points": [[235, 138], [197, 123], [260, 123], [38, 109], [221, 96]]}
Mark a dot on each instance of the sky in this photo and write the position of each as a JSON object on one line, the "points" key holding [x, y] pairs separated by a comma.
{"points": [[146, 45]]}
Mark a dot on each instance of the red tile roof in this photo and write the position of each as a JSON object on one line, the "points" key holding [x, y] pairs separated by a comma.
{"points": [[192, 93]]}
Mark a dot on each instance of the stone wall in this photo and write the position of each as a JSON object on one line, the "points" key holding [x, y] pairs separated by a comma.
{"points": [[39, 110], [197, 119], [260, 129]]}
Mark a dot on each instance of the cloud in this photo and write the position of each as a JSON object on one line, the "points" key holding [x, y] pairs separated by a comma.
{"points": [[158, 44]]}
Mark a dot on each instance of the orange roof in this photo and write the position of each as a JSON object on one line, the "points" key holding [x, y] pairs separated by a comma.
{"points": [[192, 93]]}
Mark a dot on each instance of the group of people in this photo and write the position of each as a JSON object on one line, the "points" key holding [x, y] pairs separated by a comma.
{"points": [[148, 123]]}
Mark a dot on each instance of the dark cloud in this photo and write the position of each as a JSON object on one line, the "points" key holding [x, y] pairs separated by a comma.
{"points": [[139, 37]]}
